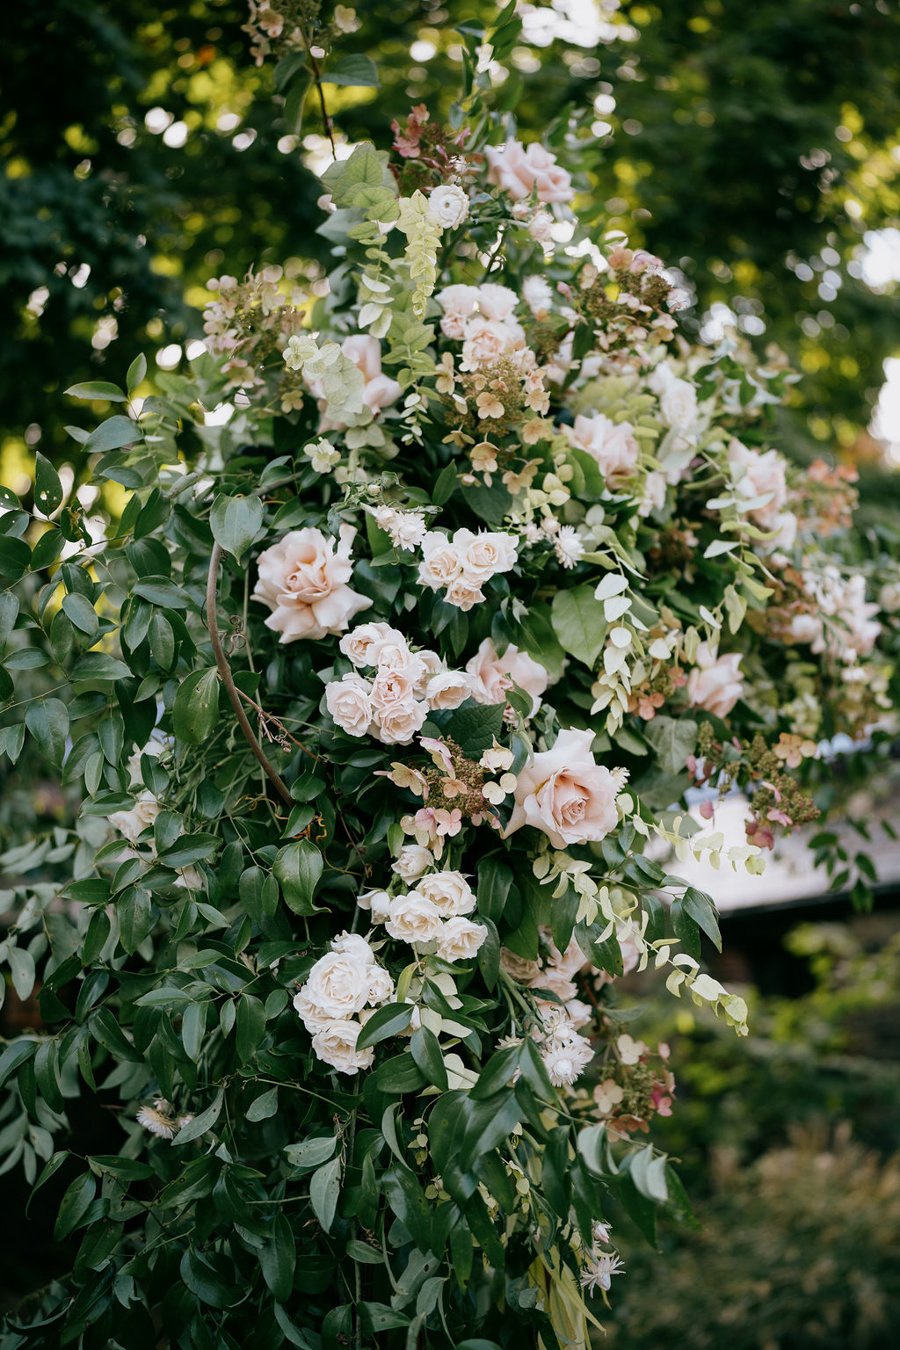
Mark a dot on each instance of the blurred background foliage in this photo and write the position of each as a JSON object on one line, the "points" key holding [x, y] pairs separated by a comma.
{"points": [[788, 1145], [754, 147]]}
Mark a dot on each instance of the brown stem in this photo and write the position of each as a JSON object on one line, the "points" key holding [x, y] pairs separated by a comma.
{"points": [[234, 694], [317, 80]]}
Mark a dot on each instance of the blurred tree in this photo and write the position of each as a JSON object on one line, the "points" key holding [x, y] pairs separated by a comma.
{"points": [[143, 152]]}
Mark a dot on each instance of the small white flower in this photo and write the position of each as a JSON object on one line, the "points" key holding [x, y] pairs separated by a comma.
{"points": [[597, 1273], [158, 1119], [568, 546]]}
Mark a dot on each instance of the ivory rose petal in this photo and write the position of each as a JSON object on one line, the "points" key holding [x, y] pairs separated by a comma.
{"points": [[565, 794], [303, 580]]}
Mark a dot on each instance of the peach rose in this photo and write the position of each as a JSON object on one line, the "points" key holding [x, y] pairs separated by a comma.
{"points": [[611, 444], [303, 580], [715, 682], [520, 170], [493, 676], [365, 353], [564, 793]]}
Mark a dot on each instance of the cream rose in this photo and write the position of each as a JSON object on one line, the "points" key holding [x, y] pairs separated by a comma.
{"points": [[303, 580], [335, 1045], [412, 861], [521, 170], [413, 918], [460, 940], [564, 793], [760, 475], [391, 690], [611, 444], [464, 594], [338, 986], [496, 302], [441, 561], [133, 822], [350, 704], [448, 689], [715, 682], [363, 645], [457, 302], [448, 205], [398, 724], [677, 399], [493, 676], [486, 341], [485, 554], [449, 891]]}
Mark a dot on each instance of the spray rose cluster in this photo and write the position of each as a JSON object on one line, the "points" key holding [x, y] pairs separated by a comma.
{"points": [[431, 916], [462, 563], [342, 990]]}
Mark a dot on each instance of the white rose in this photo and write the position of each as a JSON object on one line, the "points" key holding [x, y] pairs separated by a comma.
{"points": [[381, 987], [564, 793], [496, 302], [372, 901], [412, 861], [493, 676], [413, 918], [519, 171], [449, 206], [611, 444], [758, 475], [355, 945], [449, 891], [131, 823], [303, 580], [335, 1045], [349, 702], [464, 594], [654, 498], [396, 658], [338, 985], [538, 296], [397, 725], [677, 399], [460, 940], [441, 561], [391, 690], [486, 341], [448, 689], [715, 682], [889, 597], [485, 554], [363, 644], [457, 302]]}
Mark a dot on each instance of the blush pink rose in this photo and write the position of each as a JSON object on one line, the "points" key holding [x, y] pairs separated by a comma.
{"points": [[365, 353], [520, 170], [611, 444], [715, 682], [564, 793], [303, 580], [493, 676]]}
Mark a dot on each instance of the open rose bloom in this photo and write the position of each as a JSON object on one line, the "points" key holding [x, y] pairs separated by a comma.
{"points": [[303, 580]]}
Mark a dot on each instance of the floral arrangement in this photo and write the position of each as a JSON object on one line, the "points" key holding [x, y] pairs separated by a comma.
{"points": [[441, 580]]}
